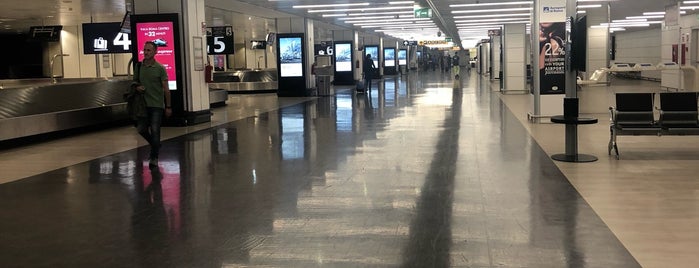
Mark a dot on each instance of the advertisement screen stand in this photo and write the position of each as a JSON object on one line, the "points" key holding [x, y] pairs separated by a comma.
{"points": [[374, 52], [291, 65], [403, 60], [389, 61], [163, 30], [344, 73]]}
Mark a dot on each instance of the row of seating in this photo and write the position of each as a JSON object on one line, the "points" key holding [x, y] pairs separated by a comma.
{"points": [[634, 114]]}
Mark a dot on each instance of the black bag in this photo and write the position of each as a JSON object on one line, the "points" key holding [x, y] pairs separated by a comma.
{"points": [[135, 100]]}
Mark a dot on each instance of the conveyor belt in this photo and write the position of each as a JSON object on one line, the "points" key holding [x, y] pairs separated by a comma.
{"points": [[42, 107]]}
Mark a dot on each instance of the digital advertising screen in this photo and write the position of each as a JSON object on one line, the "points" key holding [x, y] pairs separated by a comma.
{"points": [[389, 57], [402, 57], [291, 56], [163, 35], [105, 38], [343, 57], [374, 52]]}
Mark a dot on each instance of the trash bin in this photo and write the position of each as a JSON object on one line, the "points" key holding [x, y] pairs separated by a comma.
{"points": [[323, 84]]}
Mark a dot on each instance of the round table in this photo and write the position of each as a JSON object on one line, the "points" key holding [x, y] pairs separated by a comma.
{"points": [[573, 121]]}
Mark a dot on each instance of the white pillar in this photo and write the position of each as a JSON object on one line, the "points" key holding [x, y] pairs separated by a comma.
{"points": [[597, 40], [514, 57], [495, 50], [192, 22]]}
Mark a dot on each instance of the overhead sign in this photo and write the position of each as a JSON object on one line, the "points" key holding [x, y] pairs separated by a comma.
{"points": [[432, 42], [410, 43], [105, 38], [423, 12], [219, 40], [448, 39], [495, 32], [324, 48]]}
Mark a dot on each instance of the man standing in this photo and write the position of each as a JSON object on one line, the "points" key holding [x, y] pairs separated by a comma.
{"points": [[150, 78]]}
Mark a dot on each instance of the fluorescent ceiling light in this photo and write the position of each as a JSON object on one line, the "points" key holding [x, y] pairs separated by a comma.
{"points": [[581, 11], [645, 17], [400, 2], [366, 18], [689, 7], [487, 23], [356, 9], [380, 13], [690, 2], [487, 20], [660, 13], [590, 6], [492, 4], [332, 5], [334, 15], [631, 20], [409, 20], [493, 16], [498, 10]]}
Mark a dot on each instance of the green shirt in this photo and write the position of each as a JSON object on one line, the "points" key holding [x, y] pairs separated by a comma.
{"points": [[152, 77]]}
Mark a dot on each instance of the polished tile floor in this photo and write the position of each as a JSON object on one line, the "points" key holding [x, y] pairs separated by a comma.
{"points": [[415, 174]]}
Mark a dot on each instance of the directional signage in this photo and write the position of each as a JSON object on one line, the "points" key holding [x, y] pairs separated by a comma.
{"points": [[219, 40], [423, 12], [105, 38], [409, 43], [432, 42]]}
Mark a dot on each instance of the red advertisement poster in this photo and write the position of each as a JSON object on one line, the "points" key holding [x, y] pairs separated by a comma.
{"points": [[162, 34]]}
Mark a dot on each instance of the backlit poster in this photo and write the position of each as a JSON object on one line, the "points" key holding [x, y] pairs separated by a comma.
{"points": [[552, 43], [163, 35], [402, 57], [389, 57], [343, 57], [374, 52], [290, 57]]}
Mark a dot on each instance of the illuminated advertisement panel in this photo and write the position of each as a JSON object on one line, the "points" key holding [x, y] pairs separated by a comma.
{"points": [[389, 57], [402, 57], [163, 35], [291, 56], [343, 57], [374, 52]]}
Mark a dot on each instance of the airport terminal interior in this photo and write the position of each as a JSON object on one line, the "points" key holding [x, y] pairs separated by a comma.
{"points": [[432, 167]]}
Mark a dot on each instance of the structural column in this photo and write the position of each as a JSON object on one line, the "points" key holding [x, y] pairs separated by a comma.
{"points": [[192, 24], [514, 48], [553, 77], [597, 40], [495, 55]]}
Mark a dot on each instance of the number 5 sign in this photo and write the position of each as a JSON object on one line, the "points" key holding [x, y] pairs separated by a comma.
{"points": [[219, 40]]}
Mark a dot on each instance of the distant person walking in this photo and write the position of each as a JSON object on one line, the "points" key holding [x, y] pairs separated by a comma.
{"points": [[150, 78], [369, 69], [456, 69]]}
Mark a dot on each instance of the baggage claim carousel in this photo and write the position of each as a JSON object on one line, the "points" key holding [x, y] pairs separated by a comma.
{"points": [[37, 106], [30, 107]]}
